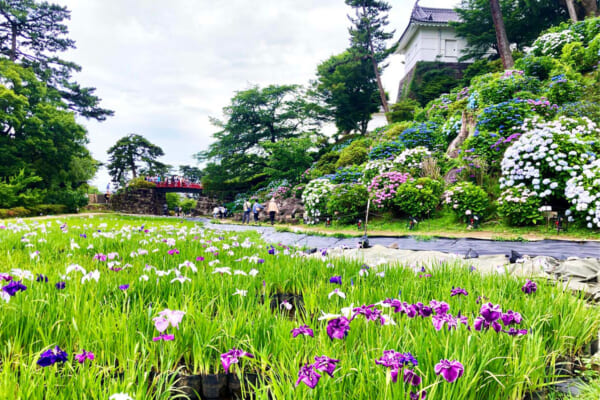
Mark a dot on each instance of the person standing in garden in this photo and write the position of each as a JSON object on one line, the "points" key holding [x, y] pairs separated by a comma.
{"points": [[247, 207], [256, 207], [272, 209]]}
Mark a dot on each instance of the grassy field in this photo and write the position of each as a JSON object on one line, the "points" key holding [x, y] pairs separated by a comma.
{"points": [[114, 284]]}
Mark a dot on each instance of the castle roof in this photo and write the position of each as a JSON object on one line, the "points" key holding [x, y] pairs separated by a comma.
{"points": [[424, 16]]}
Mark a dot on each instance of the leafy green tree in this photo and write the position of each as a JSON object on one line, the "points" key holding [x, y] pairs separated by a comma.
{"points": [[368, 38], [18, 191], [31, 33], [348, 86], [128, 153], [237, 158], [193, 174], [39, 136], [289, 158], [524, 20]]}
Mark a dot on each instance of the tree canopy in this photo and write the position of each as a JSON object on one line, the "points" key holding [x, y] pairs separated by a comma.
{"points": [[524, 21], [347, 85], [256, 116], [134, 154], [31, 33]]}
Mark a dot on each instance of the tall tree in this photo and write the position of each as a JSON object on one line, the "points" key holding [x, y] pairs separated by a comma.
{"points": [[347, 85], [128, 153], [237, 157], [501, 38], [369, 39], [31, 33], [524, 20], [193, 174]]}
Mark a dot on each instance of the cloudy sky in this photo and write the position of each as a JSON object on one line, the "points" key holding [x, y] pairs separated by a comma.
{"points": [[165, 67]]}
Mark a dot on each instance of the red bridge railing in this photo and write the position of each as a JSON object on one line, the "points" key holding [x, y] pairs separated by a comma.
{"points": [[182, 185]]}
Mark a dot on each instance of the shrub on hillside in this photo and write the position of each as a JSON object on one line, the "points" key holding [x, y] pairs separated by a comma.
{"points": [[552, 43], [315, 197], [351, 174], [583, 192], [520, 207], [386, 150], [140, 183], [539, 67], [403, 110], [347, 202], [382, 188], [418, 197], [411, 160], [497, 88], [355, 154], [376, 167], [466, 198], [427, 134]]}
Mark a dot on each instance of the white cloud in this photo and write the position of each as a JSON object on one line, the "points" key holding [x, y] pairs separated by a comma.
{"points": [[166, 67]]}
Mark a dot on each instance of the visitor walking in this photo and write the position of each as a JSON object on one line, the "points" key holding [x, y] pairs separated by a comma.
{"points": [[247, 207], [256, 207], [272, 209]]}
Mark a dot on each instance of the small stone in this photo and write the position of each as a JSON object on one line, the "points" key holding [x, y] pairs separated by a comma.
{"points": [[393, 246]]}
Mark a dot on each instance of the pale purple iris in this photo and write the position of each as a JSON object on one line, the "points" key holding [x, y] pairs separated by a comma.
{"points": [[338, 328], [85, 355], [303, 330], [308, 375], [233, 357], [52, 356], [394, 359], [336, 280], [529, 287], [458, 291], [449, 370], [326, 364], [100, 257], [447, 319], [13, 287]]}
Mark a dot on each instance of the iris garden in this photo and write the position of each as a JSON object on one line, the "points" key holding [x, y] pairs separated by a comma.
{"points": [[123, 307]]}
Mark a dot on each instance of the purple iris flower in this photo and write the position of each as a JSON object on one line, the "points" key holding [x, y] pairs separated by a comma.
{"points": [[124, 287], [303, 330], [490, 312], [173, 251], [199, 258], [457, 291], [164, 337], [100, 257], [394, 359], [52, 356], [424, 311], [272, 250], [439, 307], [511, 317], [418, 396], [409, 309], [529, 287], [338, 328], [260, 261], [309, 375], [370, 312], [85, 355], [41, 278], [450, 370], [60, 285], [481, 299], [233, 357], [515, 332], [6, 277], [325, 364], [481, 323], [13, 287], [83, 235], [336, 280], [411, 377]]}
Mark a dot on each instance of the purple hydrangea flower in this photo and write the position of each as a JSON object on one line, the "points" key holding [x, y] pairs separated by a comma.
{"points": [[338, 328], [529, 287], [450, 370], [308, 375], [325, 364], [52, 356], [303, 330], [233, 357]]}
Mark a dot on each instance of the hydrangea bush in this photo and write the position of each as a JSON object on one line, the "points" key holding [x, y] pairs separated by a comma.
{"points": [[466, 198], [376, 167], [386, 151], [412, 159], [583, 191], [315, 197], [547, 155], [520, 206], [347, 202], [382, 188], [551, 44], [418, 197]]}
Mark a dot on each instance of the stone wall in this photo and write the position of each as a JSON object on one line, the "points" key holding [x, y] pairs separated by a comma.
{"points": [[205, 205], [138, 201]]}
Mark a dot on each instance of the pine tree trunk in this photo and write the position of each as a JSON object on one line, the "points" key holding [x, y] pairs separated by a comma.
{"points": [[501, 38], [572, 11], [591, 8]]}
